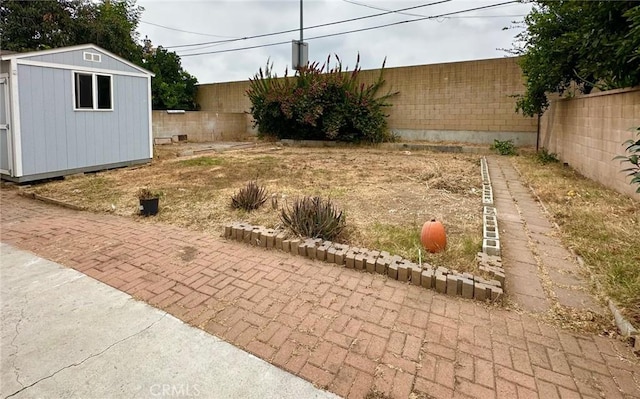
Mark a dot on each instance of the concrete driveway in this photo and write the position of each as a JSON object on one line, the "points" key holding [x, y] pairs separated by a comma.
{"points": [[66, 335]]}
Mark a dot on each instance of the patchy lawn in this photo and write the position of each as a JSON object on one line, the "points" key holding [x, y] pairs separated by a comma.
{"points": [[386, 195], [600, 224]]}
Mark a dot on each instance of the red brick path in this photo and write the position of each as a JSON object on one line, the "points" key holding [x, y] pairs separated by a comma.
{"points": [[343, 330]]}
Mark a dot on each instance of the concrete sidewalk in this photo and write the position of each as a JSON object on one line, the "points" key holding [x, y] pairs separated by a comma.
{"points": [[66, 335]]}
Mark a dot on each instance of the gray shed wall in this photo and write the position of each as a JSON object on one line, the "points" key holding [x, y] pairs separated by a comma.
{"points": [[75, 58], [57, 138], [5, 66]]}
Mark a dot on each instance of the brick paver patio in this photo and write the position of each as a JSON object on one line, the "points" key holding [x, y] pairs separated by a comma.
{"points": [[342, 329]]}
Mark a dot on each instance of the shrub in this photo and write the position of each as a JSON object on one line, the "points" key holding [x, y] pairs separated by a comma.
{"points": [[633, 157], [319, 103], [505, 147], [544, 156], [250, 197], [313, 217]]}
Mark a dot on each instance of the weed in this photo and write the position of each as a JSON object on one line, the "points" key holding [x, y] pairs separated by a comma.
{"points": [[397, 240], [505, 147], [146, 194], [633, 157], [313, 217], [202, 161], [375, 394], [544, 156], [250, 197]]}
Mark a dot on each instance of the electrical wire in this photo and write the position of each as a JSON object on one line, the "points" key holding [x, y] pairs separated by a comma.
{"points": [[185, 31], [382, 9], [422, 15], [355, 30], [306, 28]]}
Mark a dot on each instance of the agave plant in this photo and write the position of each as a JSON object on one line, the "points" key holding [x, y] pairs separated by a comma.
{"points": [[313, 217], [250, 197]]}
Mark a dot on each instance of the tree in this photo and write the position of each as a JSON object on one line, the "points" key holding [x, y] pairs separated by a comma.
{"points": [[173, 87], [110, 24], [40, 25], [580, 44], [36, 25]]}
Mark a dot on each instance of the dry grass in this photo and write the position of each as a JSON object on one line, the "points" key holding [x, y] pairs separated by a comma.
{"points": [[386, 195], [600, 224]]}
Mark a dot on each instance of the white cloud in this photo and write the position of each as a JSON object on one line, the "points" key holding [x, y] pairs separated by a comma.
{"points": [[423, 42]]}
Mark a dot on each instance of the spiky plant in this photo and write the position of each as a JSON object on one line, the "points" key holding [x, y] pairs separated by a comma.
{"points": [[250, 197], [313, 217]]}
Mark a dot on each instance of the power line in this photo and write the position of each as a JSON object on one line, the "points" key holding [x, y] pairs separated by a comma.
{"points": [[310, 27], [356, 30], [422, 15], [381, 9], [184, 31]]}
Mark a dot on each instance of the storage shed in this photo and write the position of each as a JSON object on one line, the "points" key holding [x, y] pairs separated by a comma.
{"points": [[70, 110]]}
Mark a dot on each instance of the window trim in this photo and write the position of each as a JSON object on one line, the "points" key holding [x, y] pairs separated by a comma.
{"points": [[94, 91]]}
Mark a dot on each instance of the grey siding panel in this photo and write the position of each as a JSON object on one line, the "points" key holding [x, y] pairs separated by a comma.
{"points": [[26, 115], [56, 138], [38, 119], [4, 118], [54, 160], [76, 58], [5, 66]]}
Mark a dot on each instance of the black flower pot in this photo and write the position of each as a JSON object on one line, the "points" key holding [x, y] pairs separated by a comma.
{"points": [[149, 207]]}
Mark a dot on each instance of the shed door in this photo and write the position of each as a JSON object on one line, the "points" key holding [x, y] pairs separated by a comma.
{"points": [[5, 151]]}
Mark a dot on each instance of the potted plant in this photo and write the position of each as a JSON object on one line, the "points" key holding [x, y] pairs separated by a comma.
{"points": [[148, 202]]}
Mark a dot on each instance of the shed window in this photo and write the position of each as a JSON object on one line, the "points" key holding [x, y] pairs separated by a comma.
{"points": [[92, 91], [104, 91]]}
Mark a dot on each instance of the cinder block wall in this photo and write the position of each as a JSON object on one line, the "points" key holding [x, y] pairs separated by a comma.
{"points": [[462, 101], [587, 132], [200, 126], [224, 97]]}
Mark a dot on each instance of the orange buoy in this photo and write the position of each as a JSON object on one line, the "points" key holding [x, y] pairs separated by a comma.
{"points": [[433, 237]]}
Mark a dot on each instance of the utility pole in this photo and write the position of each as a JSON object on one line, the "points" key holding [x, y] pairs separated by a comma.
{"points": [[300, 49]]}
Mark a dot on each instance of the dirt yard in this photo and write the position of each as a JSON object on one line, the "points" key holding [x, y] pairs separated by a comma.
{"points": [[386, 195]]}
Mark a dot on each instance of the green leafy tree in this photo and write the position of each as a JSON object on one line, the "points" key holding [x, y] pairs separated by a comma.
{"points": [[40, 25], [111, 24], [579, 44], [37, 25], [173, 87]]}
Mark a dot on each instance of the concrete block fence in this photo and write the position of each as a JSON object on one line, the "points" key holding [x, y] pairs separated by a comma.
{"points": [[490, 232], [441, 279], [489, 260]]}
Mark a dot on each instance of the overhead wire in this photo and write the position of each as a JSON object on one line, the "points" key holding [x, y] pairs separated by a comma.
{"points": [[184, 31], [356, 30], [307, 27], [422, 15]]}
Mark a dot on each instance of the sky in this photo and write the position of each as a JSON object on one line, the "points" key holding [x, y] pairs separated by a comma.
{"points": [[465, 36]]}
